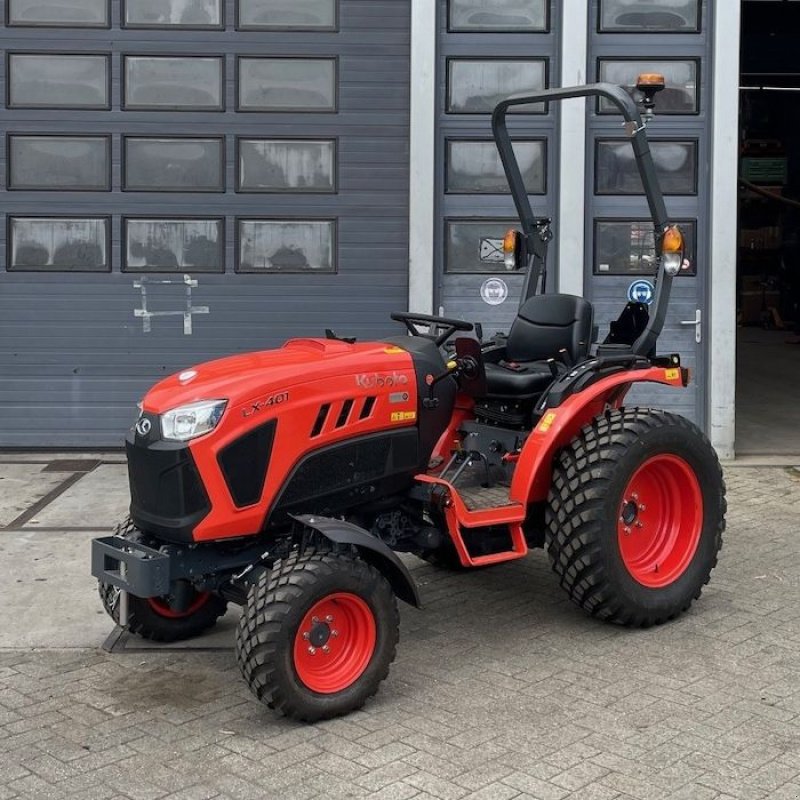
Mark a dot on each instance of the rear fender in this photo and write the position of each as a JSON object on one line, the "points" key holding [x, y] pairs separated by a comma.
{"points": [[372, 550], [558, 426]]}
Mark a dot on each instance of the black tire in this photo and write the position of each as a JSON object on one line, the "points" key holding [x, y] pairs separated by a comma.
{"points": [[152, 618], [586, 500], [268, 630]]}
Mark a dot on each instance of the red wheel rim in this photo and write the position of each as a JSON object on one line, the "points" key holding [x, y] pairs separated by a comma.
{"points": [[334, 643], [660, 520], [162, 607]]}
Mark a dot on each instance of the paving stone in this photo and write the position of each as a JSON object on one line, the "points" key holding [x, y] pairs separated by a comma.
{"points": [[538, 701]]}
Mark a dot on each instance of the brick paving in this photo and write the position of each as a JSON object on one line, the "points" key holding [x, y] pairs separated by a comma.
{"points": [[502, 690]]}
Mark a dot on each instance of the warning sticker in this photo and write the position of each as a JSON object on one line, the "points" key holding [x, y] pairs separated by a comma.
{"points": [[403, 416], [546, 422], [393, 351], [672, 374]]}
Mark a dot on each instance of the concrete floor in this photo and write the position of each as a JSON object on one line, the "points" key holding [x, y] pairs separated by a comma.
{"points": [[767, 388]]}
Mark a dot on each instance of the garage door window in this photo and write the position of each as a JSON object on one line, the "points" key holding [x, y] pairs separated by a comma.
{"points": [[316, 15], [627, 246], [173, 14], [40, 80], [174, 84], [59, 244], [497, 16], [476, 87], [67, 163], [173, 165], [170, 245], [681, 95], [474, 167], [287, 84], [476, 245], [675, 162], [59, 13], [286, 245], [282, 165], [664, 16]]}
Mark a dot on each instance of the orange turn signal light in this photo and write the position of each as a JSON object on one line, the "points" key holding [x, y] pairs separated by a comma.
{"points": [[511, 248], [672, 241]]}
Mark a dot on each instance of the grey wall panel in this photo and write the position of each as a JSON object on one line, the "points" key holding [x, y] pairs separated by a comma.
{"points": [[74, 357]]}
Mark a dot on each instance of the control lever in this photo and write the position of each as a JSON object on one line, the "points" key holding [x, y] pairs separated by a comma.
{"points": [[551, 363], [431, 380]]}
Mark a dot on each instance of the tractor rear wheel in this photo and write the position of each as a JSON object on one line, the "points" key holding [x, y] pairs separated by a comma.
{"points": [[317, 635], [635, 516]]}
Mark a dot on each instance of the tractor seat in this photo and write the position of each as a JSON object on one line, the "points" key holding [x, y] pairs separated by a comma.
{"points": [[545, 325]]}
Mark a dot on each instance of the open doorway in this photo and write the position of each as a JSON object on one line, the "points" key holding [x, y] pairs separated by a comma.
{"points": [[768, 265]]}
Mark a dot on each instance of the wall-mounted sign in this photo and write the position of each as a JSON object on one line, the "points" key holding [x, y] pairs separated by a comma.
{"points": [[494, 291], [641, 292]]}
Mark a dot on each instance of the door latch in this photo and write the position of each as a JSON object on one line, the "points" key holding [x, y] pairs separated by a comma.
{"points": [[698, 316]]}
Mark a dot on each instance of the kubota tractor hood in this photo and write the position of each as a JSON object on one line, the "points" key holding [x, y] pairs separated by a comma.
{"points": [[246, 377]]}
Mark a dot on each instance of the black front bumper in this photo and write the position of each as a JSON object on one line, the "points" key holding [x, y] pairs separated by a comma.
{"points": [[167, 494], [131, 566]]}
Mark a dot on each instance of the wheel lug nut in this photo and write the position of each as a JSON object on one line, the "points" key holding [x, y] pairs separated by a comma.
{"points": [[627, 531], [312, 650], [315, 620], [329, 618], [642, 507], [306, 635], [635, 496], [334, 632], [640, 524], [325, 649]]}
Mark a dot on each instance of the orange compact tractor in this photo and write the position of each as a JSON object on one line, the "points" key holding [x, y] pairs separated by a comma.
{"points": [[285, 481]]}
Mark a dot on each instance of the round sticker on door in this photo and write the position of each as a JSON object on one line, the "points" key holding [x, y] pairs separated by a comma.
{"points": [[641, 292], [494, 291]]}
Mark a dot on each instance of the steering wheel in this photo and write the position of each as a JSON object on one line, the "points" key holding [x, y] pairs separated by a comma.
{"points": [[450, 325]]}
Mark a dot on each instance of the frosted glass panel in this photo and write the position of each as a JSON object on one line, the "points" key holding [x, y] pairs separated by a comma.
{"points": [[654, 16], [286, 246], [475, 167], [276, 84], [287, 14], [675, 162], [627, 247], [681, 95], [476, 246], [270, 165], [57, 81], [173, 13], [518, 16], [166, 245], [59, 13], [59, 162], [476, 87], [166, 82], [58, 245], [182, 165]]}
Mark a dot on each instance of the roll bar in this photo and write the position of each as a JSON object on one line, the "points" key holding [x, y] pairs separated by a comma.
{"points": [[536, 230]]}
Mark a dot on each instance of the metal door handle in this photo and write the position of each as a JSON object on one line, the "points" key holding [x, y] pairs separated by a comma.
{"points": [[698, 316]]}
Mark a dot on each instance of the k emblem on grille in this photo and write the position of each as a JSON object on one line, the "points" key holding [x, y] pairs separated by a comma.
{"points": [[143, 426]]}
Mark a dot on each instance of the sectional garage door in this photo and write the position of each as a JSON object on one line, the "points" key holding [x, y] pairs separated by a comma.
{"points": [[186, 179]]}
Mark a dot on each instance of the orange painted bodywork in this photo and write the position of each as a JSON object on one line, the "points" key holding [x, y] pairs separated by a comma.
{"points": [[312, 372], [534, 466]]}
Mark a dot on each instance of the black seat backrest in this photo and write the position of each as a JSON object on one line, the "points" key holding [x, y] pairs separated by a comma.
{"points": [[548, 323]]}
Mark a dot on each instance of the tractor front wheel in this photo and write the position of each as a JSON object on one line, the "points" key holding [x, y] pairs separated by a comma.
{"points": [[635, 516], [153, 618], [317, 635]]}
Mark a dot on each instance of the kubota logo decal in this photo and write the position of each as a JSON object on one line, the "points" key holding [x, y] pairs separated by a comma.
{"points": [[373, 380]]}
